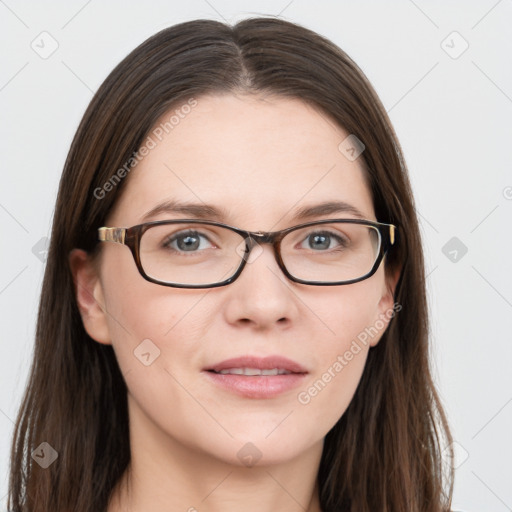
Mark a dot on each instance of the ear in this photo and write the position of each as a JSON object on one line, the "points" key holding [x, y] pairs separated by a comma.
{"points": [[89, 296], [386, 307]]}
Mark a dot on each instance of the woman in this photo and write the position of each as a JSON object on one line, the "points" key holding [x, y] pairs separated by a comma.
{"points": [[261, 342]]}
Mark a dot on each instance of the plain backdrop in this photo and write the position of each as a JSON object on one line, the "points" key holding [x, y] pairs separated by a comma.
{"points": [[443, 71]]}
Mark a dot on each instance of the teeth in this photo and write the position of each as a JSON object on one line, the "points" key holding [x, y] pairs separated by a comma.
{"points": [[233, 371], [253, 371]]}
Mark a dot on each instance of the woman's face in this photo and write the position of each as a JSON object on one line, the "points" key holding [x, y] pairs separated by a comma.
{"points": [[257, 160]]}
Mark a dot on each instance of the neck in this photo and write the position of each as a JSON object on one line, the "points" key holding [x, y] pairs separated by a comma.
{"points": [[164, 475]]}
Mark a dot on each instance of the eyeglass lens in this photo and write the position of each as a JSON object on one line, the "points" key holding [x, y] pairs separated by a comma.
{"points": [[203, 254]]}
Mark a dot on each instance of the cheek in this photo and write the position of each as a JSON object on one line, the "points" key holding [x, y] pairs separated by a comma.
{"points": [[348, 318], [156, 336], [155, 330], [155, 318], [328, 393], [344, 313]]}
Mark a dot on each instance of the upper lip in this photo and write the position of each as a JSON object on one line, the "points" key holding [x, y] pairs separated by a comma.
{"points": [[261, 363]]}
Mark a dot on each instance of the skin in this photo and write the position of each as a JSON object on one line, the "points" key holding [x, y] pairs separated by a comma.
{"points": [[259, 158]]}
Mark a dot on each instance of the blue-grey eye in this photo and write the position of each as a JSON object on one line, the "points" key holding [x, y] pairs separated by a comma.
{"points": [[322, 240], [188, 242]]}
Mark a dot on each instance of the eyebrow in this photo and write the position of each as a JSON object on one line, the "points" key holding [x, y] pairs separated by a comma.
{"points": [[210, 212]]}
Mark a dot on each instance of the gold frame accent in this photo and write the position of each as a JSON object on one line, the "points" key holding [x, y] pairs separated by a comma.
{"points": [[392, 234], [116, 235]]}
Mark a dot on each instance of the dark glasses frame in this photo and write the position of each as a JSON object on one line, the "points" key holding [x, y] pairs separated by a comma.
{"points": [[132, 236]]}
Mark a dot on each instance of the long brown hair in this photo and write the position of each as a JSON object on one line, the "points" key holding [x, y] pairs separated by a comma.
{"points": [[384, 454]]}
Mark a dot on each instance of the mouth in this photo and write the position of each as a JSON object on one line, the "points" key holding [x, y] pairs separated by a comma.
{"points": [[253, 366], [252, 372], [254, 377]]}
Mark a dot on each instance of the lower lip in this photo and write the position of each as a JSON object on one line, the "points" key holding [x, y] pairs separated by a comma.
{"points": [[257, 386]]}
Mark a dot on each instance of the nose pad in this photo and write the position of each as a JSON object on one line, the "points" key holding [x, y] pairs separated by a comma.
{"points": [[249, 250]]}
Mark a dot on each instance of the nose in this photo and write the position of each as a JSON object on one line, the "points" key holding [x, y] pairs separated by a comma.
{"points": [[262, 295]]}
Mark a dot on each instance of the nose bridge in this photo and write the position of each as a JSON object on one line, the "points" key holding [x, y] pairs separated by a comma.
{"points": [[263, 237], [256, 239]]}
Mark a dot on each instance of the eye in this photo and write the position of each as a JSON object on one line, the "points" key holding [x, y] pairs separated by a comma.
{"points": [[187, 241], [322, 240]]}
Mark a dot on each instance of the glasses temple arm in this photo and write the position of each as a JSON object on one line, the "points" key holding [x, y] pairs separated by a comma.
{"points": [[112, 235], [392, 234]]}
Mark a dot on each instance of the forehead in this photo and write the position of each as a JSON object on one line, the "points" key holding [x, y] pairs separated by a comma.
{"points": [[257, 159]]}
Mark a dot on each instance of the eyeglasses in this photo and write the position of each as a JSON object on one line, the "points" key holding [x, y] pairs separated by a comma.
{"points": [[205, 254]]}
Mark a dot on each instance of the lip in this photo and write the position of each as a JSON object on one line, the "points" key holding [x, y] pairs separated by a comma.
{"points": [[257, 386], [261, 363]]}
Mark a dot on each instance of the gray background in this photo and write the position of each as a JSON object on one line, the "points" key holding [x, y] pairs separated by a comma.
{"points": [[451, 108]]}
